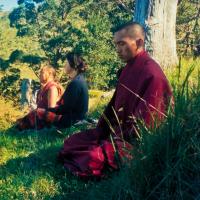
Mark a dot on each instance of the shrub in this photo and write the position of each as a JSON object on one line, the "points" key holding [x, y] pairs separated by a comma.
{"points": [[16, 55], [9, 86]]}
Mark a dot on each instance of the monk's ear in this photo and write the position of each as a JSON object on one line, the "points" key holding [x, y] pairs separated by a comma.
{"points": [[139, 43]]}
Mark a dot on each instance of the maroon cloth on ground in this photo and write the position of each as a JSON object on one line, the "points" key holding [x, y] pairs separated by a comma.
{"points": [[89, 153], [37, 119], [40, 119]]}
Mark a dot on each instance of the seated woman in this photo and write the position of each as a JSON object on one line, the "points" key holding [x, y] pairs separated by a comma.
{"points": [[48, 96], [74, 102], [73, 105], [50, 92]]}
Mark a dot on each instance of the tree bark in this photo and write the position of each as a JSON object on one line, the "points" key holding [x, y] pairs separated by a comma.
{"points": [[159, 19]]}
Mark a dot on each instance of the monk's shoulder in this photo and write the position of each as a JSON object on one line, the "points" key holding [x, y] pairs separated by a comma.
{"points": [[151, 65], [152, 69]]}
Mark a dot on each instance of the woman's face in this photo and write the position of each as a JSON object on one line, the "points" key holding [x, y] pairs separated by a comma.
{"points": [[68, 68], [43, 76]]}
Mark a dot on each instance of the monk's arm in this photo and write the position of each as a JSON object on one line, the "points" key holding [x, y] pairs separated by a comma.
{"points": [[52, 97], [152, 105]]}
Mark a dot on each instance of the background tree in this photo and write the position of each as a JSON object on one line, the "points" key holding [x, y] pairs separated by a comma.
{"points": [[58, 26], [188, 27], [159, 18], [83, 26], [10, 42]]}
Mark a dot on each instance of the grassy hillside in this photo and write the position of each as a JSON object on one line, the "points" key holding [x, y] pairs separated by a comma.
{"points": [[166, 167], [28, 166], [10, 42], [12, 68], [166, 162]]}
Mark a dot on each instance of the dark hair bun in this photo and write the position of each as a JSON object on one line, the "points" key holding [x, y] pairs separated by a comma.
{"points": [[82, 67], [77, 62]]}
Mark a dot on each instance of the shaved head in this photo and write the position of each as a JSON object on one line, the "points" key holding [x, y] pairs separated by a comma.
{"points": [[133, 30], [129, 40]]}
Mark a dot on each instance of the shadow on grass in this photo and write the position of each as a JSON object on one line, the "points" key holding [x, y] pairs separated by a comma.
{"points": [[33, 159], [38, 150], [43, 163], [51, 132]]}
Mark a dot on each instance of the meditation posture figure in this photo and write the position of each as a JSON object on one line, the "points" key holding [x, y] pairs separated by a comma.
{"points": [[142, 93], [48, 96], [50, 92], [72, 106], [74, 102]]}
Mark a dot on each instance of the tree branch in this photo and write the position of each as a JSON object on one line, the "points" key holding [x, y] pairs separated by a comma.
{"points": [[124, 6]]}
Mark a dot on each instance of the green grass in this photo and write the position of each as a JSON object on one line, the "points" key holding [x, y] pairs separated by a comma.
{"points": [[166, 162], [28, 165], [29, 169]]}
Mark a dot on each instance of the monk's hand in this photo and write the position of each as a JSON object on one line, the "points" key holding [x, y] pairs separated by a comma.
{"points": [[30, 109], [41, 110]]}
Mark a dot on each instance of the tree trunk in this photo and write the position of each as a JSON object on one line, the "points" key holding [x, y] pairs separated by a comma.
{"points": [[159, 19]]}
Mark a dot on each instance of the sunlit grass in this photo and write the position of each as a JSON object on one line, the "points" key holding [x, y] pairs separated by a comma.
{"points": [[168, 158], [28, 166], [178, 74]]}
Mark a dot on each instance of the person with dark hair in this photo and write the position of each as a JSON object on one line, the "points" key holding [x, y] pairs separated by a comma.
{"points": [[142, 95], [74, 102], [72, 106]]}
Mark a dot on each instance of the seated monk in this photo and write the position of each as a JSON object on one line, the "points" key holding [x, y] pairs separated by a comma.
{"points": [[73, 105], [50, 92], [142, 93], [48, 96]]}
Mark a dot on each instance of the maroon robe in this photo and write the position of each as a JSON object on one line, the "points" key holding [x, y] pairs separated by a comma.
{"points": [[142, 93], [38, 119], [42, 97]]}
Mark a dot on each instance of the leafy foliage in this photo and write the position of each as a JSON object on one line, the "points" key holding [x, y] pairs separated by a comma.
{"points": [[83, 26], [3, 64], [188, 27], [9, 42], [16, 55], [9, 86]]}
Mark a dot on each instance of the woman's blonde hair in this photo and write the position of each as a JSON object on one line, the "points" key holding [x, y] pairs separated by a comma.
{"points": [[49, 69]]}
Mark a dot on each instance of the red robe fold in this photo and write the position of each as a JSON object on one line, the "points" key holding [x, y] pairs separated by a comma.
{"points": [[42, 97], [40, 119], [142, 93]]}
